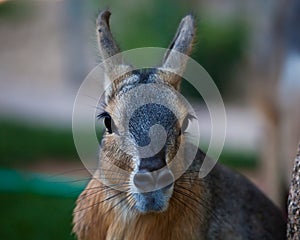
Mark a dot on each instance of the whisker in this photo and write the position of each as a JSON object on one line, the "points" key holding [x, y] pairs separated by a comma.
{"points": [[97, 203], [203, 202], [74, 181], [117, 204], [183, 203], [189, 197], [113, 171], [111, 178], [100, 190], [93, 98], [69, 171], [131, 203]]}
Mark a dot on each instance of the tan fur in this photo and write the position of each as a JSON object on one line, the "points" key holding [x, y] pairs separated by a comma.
{"points": [[93, 220], [223, 205]]}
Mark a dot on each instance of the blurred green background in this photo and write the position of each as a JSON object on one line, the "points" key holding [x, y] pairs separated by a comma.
{"points": [[48, 47]]}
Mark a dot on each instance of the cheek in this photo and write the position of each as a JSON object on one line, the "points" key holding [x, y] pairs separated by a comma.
{"points": [[117, 153], [115, 166], [173, 146]]}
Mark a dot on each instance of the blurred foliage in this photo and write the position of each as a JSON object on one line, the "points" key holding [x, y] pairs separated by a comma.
{"points": [[15, 10], [235, 159], [219, 44], [34, 217], [21, 143], [219, 48]]}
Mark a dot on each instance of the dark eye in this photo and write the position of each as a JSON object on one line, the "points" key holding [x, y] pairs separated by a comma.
{"points": [[185, 123], [107, 121]]}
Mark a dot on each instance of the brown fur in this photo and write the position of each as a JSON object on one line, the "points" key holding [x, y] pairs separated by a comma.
{"points": [[223, 205], [94, 220]]}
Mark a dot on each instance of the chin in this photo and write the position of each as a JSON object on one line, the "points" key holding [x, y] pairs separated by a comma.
{"points": [[156, 201]]}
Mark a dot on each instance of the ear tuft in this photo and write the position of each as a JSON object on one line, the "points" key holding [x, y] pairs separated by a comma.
{"points": [[114, 67], [103, 19], [176, 57]]}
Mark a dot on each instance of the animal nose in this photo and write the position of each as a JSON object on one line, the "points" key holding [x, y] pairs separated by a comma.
{"points": [[150, 181]]}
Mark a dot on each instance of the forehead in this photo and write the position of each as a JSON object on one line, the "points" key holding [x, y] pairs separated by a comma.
{"points": [[143, 87], [129, 85], [133, 79]]}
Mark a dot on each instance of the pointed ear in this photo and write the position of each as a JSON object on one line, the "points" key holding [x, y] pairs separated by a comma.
{"points": [[175, 58], [115, 66]]}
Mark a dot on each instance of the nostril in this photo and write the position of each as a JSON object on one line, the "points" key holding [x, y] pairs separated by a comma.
{"points": [[144, 181], [151, 181], [165, 178]]}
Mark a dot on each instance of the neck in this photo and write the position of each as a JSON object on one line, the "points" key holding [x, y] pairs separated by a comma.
{"points": [[117, 220]]}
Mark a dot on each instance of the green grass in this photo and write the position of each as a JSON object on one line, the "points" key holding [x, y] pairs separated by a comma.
{"points": [[33, 217]]}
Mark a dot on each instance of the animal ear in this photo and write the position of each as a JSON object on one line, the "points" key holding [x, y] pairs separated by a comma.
{"points": [[115, 66], [175, 58]]}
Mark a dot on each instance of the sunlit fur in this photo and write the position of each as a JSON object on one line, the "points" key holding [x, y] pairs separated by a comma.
{"points": [[110, 214], [223, 205], [112, 154]]}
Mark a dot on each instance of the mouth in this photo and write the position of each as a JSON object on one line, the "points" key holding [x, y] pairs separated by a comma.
{"points": [[156, 201]]}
